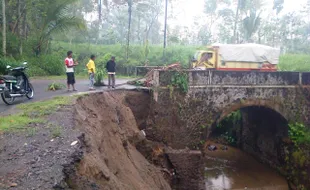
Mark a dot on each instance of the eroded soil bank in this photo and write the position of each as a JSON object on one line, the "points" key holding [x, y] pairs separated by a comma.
{"points": [[110, 134], [95, 148]]}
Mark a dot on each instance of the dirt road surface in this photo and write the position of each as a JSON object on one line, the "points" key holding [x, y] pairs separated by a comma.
{"points": [[41, 92]]}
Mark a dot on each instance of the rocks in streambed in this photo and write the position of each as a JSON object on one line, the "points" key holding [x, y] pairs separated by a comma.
{"points": [[224, 148], [212, 148]]}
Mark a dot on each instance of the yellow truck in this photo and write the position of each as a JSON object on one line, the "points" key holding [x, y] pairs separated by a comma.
{"points": [[237, 57]]}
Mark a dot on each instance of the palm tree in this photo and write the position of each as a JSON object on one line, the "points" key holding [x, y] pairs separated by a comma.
{"points": [[56, 19], [251, 24]]}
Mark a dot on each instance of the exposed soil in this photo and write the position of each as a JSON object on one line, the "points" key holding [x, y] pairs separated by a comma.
{"points": [[34, 159], [111, 160], [105, 156]]}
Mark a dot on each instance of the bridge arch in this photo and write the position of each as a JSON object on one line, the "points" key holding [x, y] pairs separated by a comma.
{"points": [[260, 131], [270, 104]]}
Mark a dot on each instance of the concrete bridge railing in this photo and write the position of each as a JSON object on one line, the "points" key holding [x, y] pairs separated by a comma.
{"points": [[239, 78]]}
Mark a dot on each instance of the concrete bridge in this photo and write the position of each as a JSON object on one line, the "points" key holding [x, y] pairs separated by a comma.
{"points": [[185, 119]]}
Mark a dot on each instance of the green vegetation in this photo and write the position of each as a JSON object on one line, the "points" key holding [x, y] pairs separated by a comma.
{"points": [[99, 76], [56, 86], [31, 131], [180, 80], [41, 32], [295, 62], [299, 134], [16, 122], [52, 65], [227, 129], [297, 155], [32, 113], [56, 131], [43, 108]]}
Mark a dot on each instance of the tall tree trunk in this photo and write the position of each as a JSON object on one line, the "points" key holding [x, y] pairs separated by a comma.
{"points": [[234, 40], [139, 28], [3, 29], [19, 27], [24, 30], [165, 31], [129, 28]]}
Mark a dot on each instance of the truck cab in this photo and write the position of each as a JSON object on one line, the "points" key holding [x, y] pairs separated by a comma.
{"points": [[237, 57]]}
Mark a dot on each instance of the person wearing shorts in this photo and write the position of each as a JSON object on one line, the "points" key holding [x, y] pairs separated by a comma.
{"points": [[70, 64]]}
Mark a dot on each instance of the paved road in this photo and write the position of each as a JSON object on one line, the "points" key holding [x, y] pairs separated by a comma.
{"points": [[41, 93]]}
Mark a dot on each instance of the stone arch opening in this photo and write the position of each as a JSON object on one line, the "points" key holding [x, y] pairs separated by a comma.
{"points": [[259, 135], [270, 104], [260, 131]]}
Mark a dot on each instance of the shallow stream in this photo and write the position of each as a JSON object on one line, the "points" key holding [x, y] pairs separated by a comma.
{"points": [[234, 169]]}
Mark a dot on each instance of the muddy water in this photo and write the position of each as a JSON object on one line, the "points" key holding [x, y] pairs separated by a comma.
{"points": [[234, 169]]}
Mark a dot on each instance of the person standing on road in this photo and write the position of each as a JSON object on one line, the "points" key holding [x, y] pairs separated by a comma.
{"points": [[91, 67], [111, 71], [70, 64]]}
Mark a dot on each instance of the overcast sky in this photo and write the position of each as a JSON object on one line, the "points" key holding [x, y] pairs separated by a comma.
{"points": [[188, 9]]}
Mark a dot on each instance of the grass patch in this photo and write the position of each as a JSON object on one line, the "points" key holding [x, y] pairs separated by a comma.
{"points": [[56, 131], [33, 113], [31, 131], [39, 109], [295, 62], [15, 122]]}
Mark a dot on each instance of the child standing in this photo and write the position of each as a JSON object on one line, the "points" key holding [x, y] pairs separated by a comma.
{"points": [[91, 67]]}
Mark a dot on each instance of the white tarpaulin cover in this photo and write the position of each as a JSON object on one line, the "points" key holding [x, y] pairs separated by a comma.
{"points": [[249, 53]]}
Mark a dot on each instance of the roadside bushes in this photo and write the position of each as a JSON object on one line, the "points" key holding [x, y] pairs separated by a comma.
{"points": [[7, 61], [46, 65], [52, 63], [295, 62]]}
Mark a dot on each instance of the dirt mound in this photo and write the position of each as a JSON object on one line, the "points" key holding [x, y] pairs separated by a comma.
{"points": [[110, 159]]}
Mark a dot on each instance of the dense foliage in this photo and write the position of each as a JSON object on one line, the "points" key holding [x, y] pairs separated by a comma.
{"points": [[299, 134], [41, 32]]}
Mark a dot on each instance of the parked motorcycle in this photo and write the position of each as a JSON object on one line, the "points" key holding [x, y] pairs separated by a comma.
{"points": [[15, 84]]}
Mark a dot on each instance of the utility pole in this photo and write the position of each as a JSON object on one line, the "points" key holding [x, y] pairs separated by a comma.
{"points": [[165, 30]]}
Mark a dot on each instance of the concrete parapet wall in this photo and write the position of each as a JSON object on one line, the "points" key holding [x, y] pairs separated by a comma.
{"points": [[213, 77]]}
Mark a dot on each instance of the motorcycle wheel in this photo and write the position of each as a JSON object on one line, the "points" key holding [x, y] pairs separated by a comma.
{"points": [[7, 100], [30, 93]]}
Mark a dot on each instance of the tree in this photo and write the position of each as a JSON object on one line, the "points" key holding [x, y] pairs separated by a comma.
{"points": [[129, 3], [54, 19], [165, 30], [278, 5], [251, 24], [3, 28]]}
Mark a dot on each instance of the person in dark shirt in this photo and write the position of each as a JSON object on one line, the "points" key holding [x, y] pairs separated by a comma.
{"points": [[111, 71]]}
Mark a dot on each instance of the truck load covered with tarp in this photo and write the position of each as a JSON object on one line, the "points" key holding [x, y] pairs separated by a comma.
{"points": [[248, 53]]}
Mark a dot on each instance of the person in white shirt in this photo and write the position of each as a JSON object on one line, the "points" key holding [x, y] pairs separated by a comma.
{"points": [[70, 64]]}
